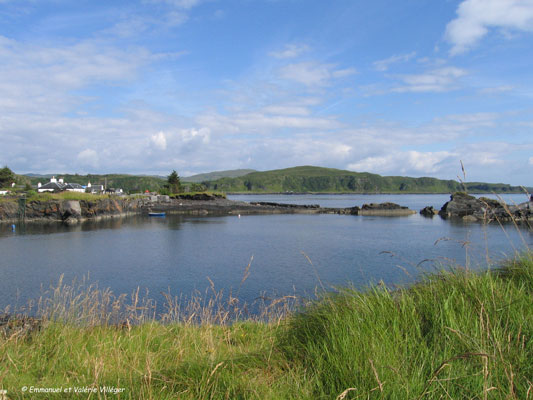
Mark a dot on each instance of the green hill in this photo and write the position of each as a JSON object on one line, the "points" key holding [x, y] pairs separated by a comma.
{"points": [[213, 176], [328, 180]]}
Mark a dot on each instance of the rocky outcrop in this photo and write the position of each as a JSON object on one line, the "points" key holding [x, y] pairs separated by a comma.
{"points": [[428, 211], [68, 211], [384, 209], [198, 196], [284, 205], [469, 208], [8, 211]]}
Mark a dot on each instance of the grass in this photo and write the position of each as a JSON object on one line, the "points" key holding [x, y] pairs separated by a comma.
{"points": [[454, 335], [66, 196]]}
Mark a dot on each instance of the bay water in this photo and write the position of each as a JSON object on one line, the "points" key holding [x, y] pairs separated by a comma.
{"points": [[288, 254]]}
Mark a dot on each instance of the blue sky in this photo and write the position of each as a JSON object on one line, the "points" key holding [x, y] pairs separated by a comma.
{"points": [[396, 88]]}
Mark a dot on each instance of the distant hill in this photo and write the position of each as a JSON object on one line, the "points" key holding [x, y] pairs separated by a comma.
{"points": [[306, 179], [213, 176], [32, 175], [309, 179]]}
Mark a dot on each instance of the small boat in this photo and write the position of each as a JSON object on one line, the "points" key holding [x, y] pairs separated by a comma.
{"points": [[156, 214]]}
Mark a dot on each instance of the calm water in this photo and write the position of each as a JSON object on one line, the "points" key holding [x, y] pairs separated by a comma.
{"points": [[182, 252]]}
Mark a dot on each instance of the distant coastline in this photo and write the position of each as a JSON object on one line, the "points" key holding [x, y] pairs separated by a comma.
{"points": [[296, 180], [70, 210]]}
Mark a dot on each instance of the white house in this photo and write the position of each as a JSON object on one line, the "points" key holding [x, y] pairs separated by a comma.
{"points": [[75, 187], [59, 185], [94, 189], [53, 186]]}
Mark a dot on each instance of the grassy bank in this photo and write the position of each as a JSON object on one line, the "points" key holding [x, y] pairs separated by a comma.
{"points": [[456, 335]]}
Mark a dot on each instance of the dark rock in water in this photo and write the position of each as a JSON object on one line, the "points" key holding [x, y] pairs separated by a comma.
{"points": [[383, 206], [460, 205], [469, 208], [354, 210], [196, 196], [284, 205], [71, 221], [428, 211], [384, 209]]}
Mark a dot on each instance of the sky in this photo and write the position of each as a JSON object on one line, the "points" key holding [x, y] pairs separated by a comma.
{"points": [[411, 87]]}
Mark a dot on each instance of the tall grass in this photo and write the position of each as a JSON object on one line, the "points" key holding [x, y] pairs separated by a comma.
{"points": [[454, 335]]}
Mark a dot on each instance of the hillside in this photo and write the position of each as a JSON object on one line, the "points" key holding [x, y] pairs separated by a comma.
{"points": [[213, 176], [328, 180]]}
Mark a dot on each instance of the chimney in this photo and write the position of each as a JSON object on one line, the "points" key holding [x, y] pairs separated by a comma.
{"points": [[39, 185], [61, 180], [53, 179]]}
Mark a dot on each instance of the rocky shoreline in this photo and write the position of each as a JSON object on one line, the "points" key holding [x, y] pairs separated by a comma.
{"points": [[472, 209], [68, 211], [461, 206]]}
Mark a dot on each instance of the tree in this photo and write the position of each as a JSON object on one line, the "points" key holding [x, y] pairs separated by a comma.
{"points": [[6, 177], [173, 182], [198, 187]]}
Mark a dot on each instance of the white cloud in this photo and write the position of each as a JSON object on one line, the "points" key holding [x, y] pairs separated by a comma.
{"points": [[159, 141], [476, 17], [184, 4], [437, 80], [497, 89], [403, 162], [88, 157], [287, 110], [383, 65], [341, 73], [469, 120], [290, 51], [530, 160], [201, 135], [314, 74], [259, 122], [47, 75]]}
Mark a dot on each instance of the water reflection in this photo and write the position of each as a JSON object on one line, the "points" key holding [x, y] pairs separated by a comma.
{"points": [[179, 253]]}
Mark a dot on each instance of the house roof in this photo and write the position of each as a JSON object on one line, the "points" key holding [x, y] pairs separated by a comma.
{"points": [[53, 186], [95, 188], [74, 186]]}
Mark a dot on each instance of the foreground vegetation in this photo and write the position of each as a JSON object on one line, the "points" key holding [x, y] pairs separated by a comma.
{"points": [[456, 335], [321, 180]]}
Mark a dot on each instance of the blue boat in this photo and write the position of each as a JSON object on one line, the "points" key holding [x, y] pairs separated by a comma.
{"points": [[156, 214]]}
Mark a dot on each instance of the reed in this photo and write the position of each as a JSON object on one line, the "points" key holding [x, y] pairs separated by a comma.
{"points": [[455, 334]]}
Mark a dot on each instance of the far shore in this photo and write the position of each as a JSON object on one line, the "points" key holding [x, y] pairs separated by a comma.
{"points": [[70, 210]]}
